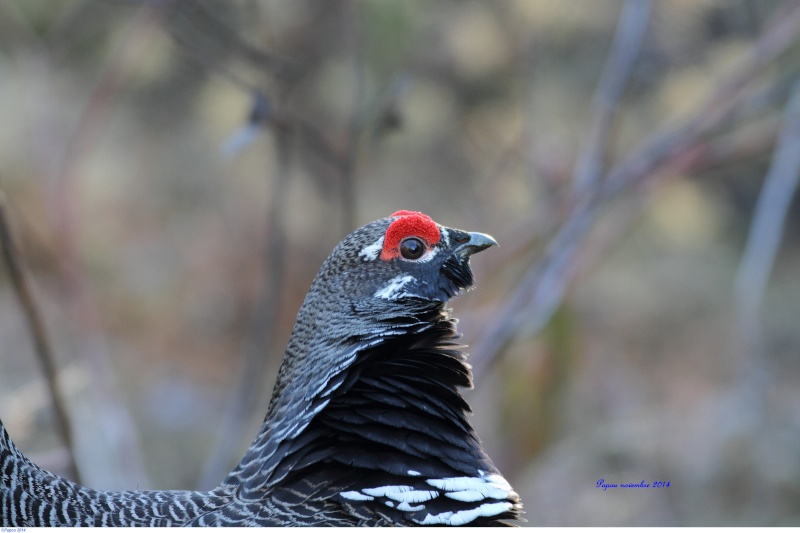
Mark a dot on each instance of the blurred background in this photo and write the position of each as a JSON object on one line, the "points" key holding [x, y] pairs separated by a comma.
{"points": [[176, 172]]}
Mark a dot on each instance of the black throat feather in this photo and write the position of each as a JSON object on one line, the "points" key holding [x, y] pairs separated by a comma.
{"points": [[457, 276], [398, 410]]}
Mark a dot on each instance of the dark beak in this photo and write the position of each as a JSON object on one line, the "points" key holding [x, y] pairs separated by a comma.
{"points": [[457, 274], [476, 243]]}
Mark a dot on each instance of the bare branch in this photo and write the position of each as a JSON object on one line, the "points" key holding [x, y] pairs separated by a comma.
{"points": [[37, 330], [720, 105], [545, 284], [207, 24], [349, 171], [113, 416], [249, 391], [766, 230], [633, 21]]}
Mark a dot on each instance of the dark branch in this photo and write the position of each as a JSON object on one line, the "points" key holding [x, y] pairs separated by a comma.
{"points": [[36, 327]]}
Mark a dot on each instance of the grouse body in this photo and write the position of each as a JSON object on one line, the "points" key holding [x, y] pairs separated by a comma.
{"points": [[366, 425]]}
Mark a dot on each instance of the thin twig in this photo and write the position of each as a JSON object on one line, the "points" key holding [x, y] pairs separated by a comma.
{"points": [[551, 278], [721, 104], [348, 164], [37, 330], [209, 25], [112, 414], [781, 32], [633, 21], [285, 121], [766, 230], [249, 390]]}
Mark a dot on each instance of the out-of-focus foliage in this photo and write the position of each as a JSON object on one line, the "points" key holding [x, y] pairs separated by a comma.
{"points": [[151, 236]]}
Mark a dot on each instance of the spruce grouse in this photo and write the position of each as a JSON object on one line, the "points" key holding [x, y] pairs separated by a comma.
{"points": [[366, 425]]}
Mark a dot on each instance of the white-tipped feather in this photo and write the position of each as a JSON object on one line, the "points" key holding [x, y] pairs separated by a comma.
{"points": [[394, 289], [371, 252]]}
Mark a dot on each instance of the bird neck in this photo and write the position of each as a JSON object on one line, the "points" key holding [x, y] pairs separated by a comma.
{"points": [[387, 368]]}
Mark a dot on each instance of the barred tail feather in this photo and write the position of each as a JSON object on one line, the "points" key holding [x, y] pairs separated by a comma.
{"points": [[32, 496]]}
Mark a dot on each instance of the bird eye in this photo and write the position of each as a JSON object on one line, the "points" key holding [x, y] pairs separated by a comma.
{"points": [[412, 248]]}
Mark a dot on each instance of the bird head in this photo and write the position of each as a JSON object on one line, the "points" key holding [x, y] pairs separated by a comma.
{"points": [[406, 256]]}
